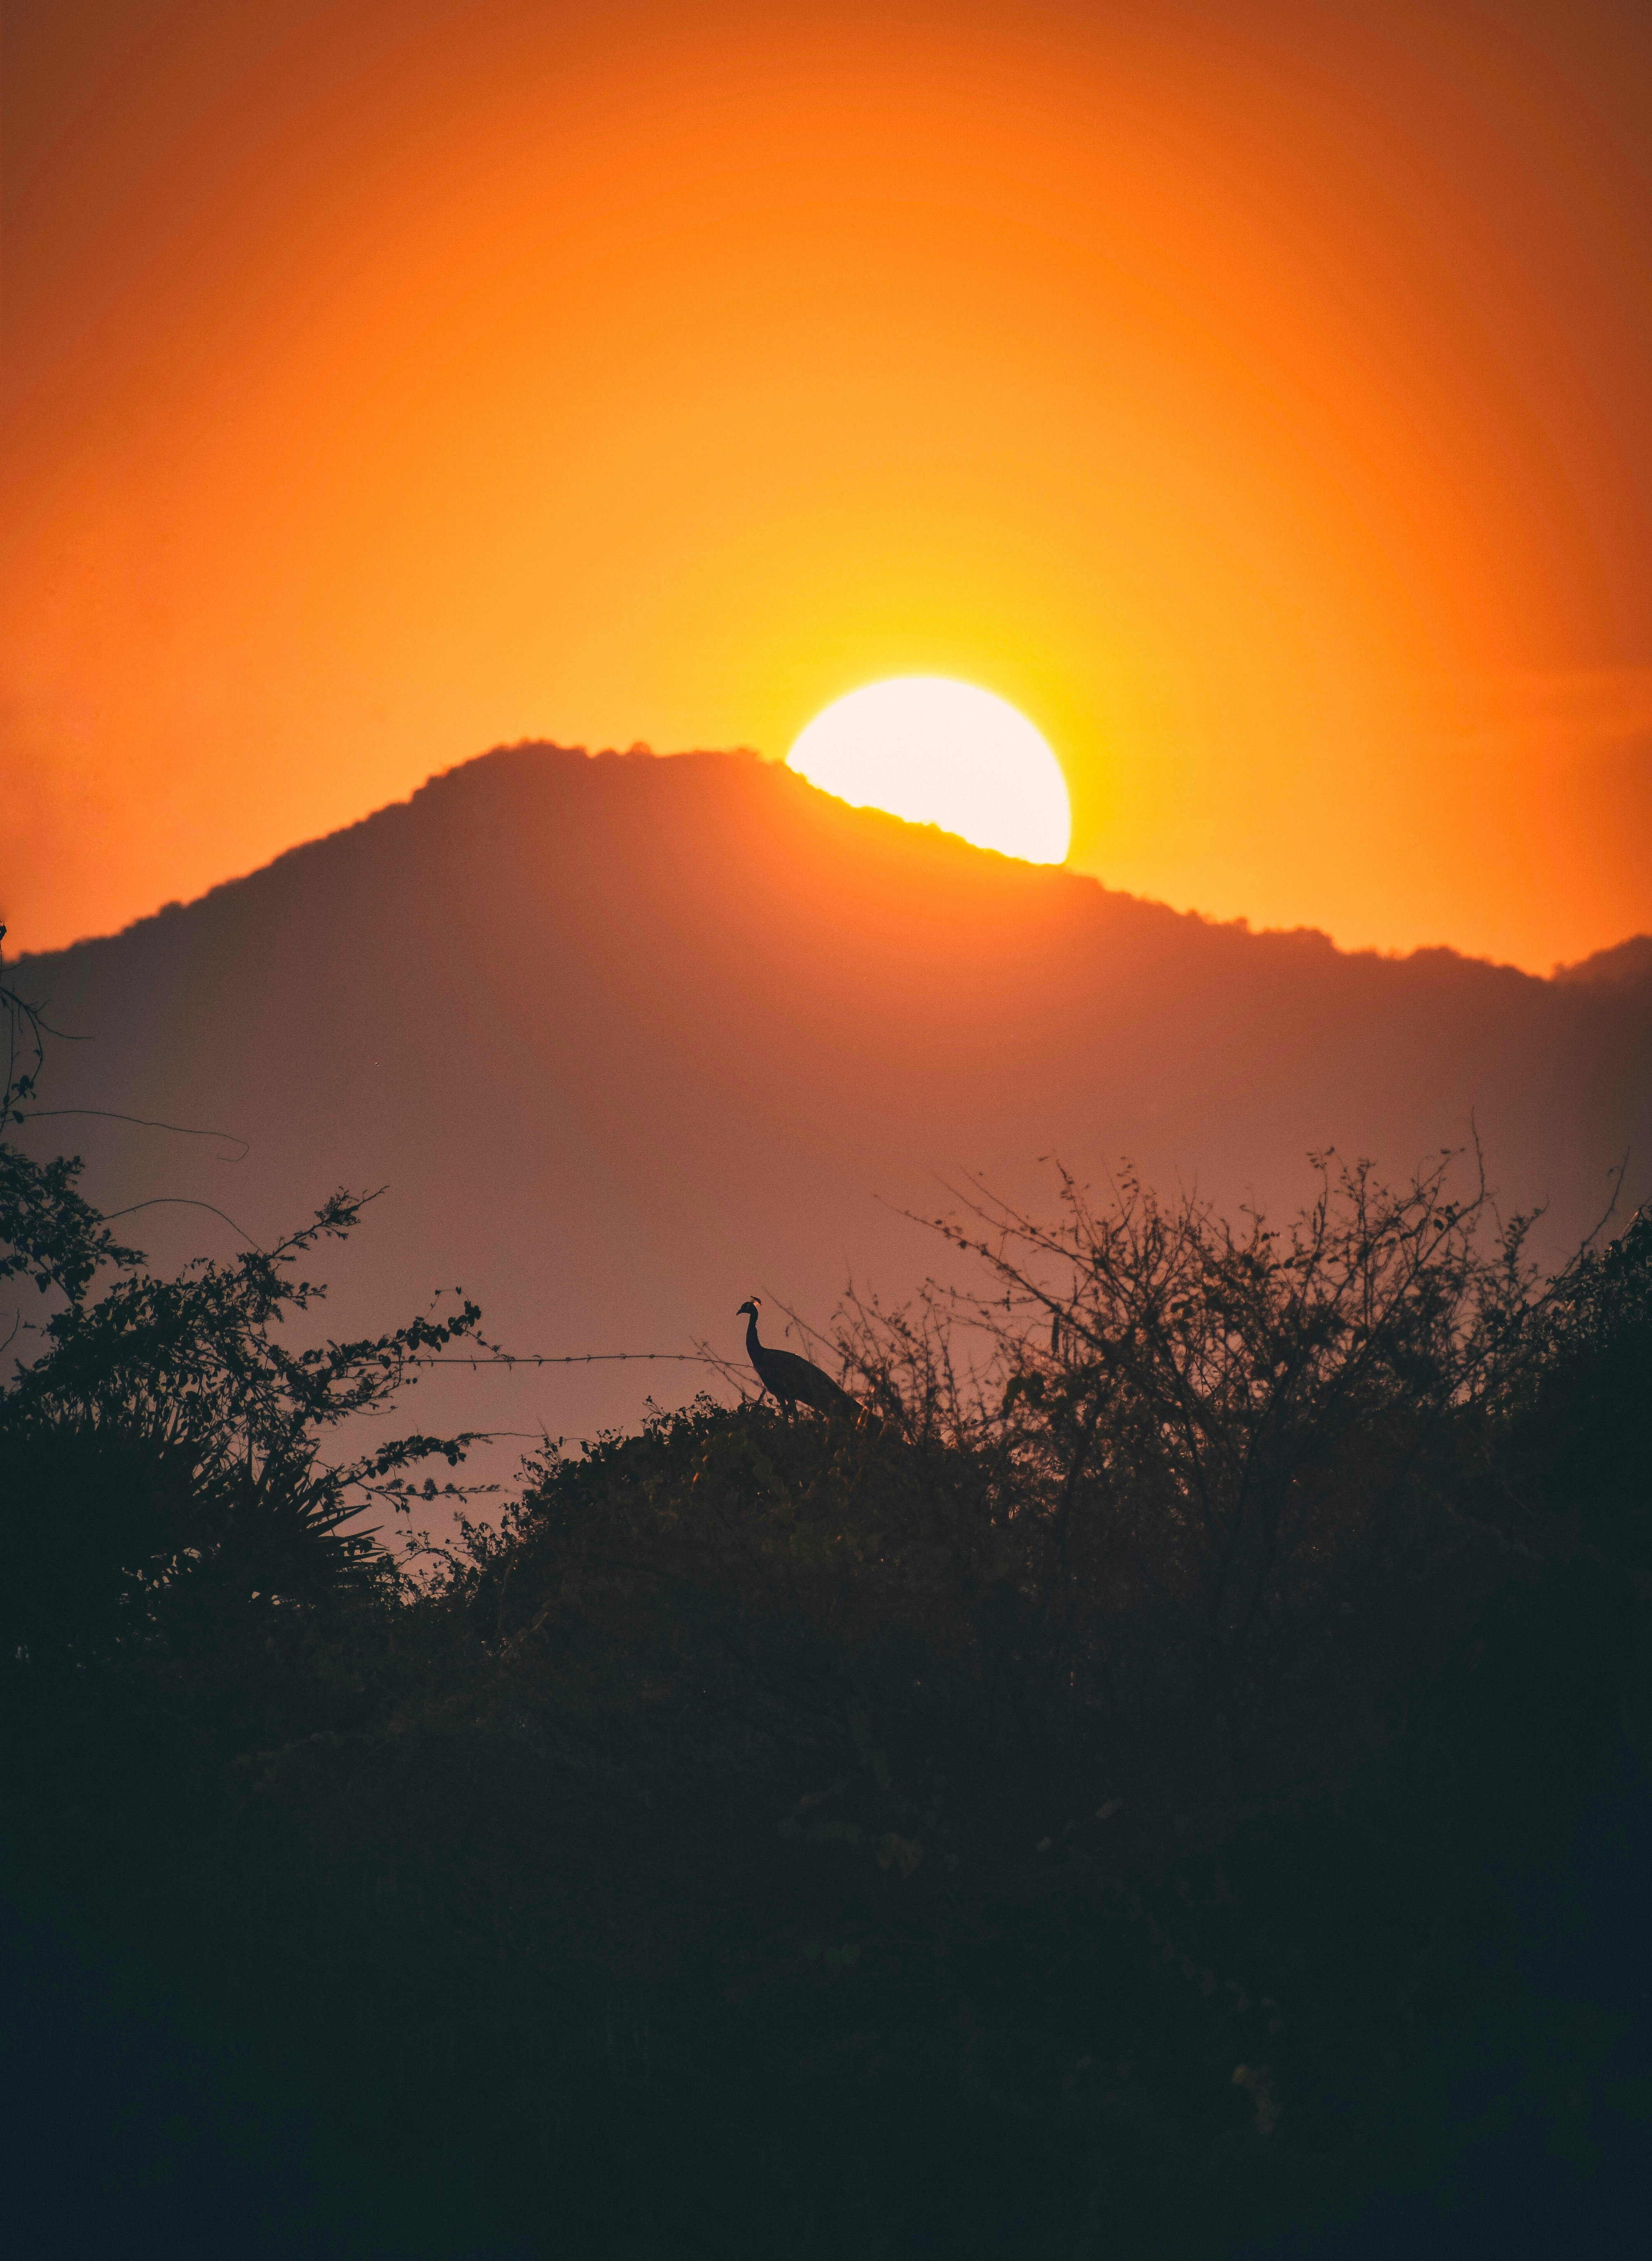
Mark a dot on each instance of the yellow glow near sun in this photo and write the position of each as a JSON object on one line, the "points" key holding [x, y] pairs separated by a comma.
{"points": [[939, 752]]}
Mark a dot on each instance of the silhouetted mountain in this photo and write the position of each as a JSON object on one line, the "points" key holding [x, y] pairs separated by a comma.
{"points": [[1625, 961], [627, 1038]]}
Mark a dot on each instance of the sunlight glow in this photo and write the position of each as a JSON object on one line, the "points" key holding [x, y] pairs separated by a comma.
{"points": [[939, 752]]}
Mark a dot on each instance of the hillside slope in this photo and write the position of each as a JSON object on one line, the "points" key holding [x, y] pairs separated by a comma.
{"points": [[627, 1038]]}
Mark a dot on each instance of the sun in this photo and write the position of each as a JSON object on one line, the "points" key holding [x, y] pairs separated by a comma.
{"points": [[939, 752]]}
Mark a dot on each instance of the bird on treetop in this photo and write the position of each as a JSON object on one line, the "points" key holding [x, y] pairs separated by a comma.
{"points": [[789, 1378]]}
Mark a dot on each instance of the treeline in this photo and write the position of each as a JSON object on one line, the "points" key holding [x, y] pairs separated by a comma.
{"points": [[1169, 1777]]}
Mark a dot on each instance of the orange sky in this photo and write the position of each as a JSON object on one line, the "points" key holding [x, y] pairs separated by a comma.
{"points": [[1256, 396]]}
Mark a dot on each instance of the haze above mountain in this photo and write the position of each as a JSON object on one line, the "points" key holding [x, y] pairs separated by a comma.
{"points": [[627, 1038]]}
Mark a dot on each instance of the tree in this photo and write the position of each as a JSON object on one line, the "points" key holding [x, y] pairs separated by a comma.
{"points": [[1212, 1433], [166, 1443]]}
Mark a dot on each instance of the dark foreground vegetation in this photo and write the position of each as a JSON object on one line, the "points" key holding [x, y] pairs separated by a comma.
{"points": [[1170, 1778]]}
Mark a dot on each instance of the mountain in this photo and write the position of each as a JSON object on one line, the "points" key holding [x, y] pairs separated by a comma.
{"points": [[627, 1038], [1625, 961]]}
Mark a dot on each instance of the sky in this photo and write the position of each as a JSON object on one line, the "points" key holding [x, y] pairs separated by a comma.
{"points": [[1255, 397]]}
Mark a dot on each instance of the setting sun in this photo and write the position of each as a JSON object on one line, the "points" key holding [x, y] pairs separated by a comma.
{"points": [[939, 752]]}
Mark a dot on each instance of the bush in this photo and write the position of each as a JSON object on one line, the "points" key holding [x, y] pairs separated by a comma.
{"points": [[1209, 1442], [161, 1457], [1154, 1781]]}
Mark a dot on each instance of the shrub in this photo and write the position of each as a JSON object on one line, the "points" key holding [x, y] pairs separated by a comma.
{"points": [[1209, 1437], [160, 1456]]}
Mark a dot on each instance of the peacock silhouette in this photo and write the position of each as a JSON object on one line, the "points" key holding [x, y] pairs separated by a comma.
{"points": [[789, 1378]]}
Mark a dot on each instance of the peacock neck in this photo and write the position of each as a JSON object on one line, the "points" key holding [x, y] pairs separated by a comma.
{"points": [[752, 1344]]}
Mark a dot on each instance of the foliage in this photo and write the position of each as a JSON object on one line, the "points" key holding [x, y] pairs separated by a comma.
{"points": [[167, 1429], [49, 1233], [1576, 1424], [166, 1438], [1209, 1440], [1163, 1776]]}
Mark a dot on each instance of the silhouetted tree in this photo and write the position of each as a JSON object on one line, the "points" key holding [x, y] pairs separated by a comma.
{"points": [[1215, 1429], [164, 1440]]}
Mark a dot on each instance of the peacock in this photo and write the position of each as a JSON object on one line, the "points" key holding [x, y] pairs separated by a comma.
{"points": [[789, 1378]]}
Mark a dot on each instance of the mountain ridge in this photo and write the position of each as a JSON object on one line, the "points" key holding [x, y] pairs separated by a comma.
{"points": [[1625, 959], [629, 1036]]}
